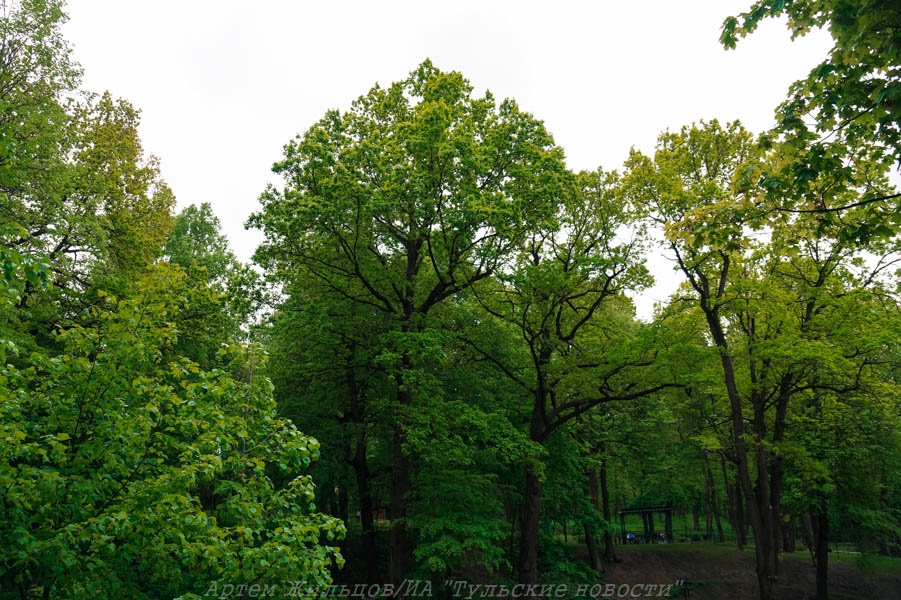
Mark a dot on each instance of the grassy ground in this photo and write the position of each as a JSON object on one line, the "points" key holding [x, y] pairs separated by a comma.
{"points": [[719, 571]]}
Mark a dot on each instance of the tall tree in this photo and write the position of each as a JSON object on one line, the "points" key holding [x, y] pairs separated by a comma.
{"points": [[76, 189], [413, 195], [331, 383], [767, 299], [564, 296], [688, 188]]}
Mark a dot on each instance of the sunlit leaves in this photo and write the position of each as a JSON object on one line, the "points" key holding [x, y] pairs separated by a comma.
{"points": [[414, 193], [128, 467], [839, 125]]}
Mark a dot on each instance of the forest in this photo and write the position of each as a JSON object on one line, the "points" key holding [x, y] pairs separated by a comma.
{"points": [[432, 375]]}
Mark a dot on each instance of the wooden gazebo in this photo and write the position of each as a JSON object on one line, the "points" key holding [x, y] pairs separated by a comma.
{"points": [[647, 519]]}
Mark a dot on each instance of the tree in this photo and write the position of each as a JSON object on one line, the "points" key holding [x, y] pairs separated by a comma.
{"points": [[121, 187], [327, 379], [413, 195], [839, 127], [222, 295], [196, 244], [129, 472], [35, 69], [76, 190], [688, 188], [97, 217], [564, 298], [776, 304]]}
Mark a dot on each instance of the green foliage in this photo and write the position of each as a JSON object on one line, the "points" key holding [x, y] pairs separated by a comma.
{"points": [[220, 296], [412, 195], [196, 244], [128, 471], [35, 70], [455, 320], [77, 193], [461, 452], [19, 271], [790, 310], [390, 210], [130, 201], [838, 128]]}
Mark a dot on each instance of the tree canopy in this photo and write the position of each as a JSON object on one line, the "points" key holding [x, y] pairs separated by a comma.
{"points": [[434, 375], [839, 126]]}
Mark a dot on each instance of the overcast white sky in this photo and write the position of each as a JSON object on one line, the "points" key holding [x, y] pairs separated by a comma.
{"points": [[223, 85]]}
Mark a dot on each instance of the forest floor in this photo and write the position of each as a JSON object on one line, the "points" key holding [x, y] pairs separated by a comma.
{"points": [[721, 572]]}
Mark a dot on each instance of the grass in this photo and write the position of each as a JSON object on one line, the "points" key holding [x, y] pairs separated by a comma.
{"points": [[719, 570], [868, 563]]}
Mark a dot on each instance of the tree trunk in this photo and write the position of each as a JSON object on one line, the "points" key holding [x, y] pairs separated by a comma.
{"points": [[609, 553], [769, 538], [528, 541], [400, 485], [762, 520], [646, 534], [400, 477], [708, 519], [808, 535], [364, 493], [714, 501], [788, 536], [594, 555], [821, 529], [759, 497], [740, 516], [363, 477], [531, 514], [733, 506]]}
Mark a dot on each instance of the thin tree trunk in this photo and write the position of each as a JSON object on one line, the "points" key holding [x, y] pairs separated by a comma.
{"points": [[740, 515], [708, 519], [609, 552], [714, 501], [594, 555], [528, 541], [400, 485], [808, 535], [760, 513], [645, 535], [733, 506], [821, 529], [364, 493], [343, 500]]}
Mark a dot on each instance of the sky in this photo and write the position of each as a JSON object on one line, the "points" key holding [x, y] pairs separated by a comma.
{"points": [[223, 85]]}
